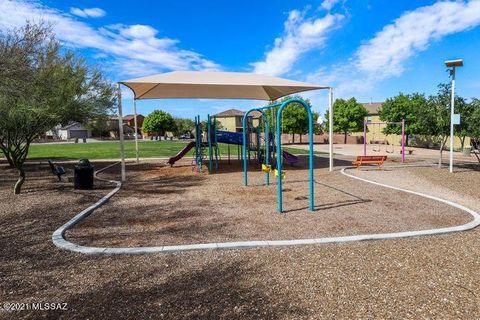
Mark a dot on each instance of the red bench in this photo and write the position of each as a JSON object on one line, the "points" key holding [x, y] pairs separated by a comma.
{"points": [[361, 160]]}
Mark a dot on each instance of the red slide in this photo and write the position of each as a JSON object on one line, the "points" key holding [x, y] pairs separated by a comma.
{"points": [[180, 154]]}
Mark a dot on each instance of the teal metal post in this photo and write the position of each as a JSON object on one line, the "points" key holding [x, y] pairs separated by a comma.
{"points": [[215, 139], [209, 137], [197, 146], [244, 130], [279, 152], [200, 155], [228, 149]]}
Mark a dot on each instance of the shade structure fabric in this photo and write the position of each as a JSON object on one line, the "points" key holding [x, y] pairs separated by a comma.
{"points": [[215, 85]]}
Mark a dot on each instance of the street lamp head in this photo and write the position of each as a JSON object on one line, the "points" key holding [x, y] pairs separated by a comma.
{"points": [[454, 63]]}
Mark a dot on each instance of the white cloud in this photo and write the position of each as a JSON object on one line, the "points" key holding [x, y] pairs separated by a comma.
{"points": [[328, 4], [133, 50], [88, 12], [385, 54], [300, 35]]}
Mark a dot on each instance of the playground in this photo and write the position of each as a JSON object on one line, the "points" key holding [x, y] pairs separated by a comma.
{"points": [[161, 206], [153, 234], [437, 275]]}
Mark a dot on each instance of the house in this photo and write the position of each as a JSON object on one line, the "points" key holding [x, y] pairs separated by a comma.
{"points": [[231, 120], [375, 131], [129, 120], [256, 118], [71, 131]]}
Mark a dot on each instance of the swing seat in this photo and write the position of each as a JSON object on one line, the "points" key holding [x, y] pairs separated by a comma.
{"points": [[266, 168], [276, 174]]}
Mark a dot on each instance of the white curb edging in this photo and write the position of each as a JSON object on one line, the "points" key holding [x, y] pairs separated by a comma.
{"points": [[58, 236], [59, 240]]}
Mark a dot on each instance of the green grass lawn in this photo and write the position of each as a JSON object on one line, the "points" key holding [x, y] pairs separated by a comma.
{"points": [[111, 150]]}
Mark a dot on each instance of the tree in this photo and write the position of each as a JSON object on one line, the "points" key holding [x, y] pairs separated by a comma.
{"points": [[403, 106], [204, 124], [159, 122], [348, 116], [474, 119], [100, 125], [184, 126], [294, 117], [40, 88], [465, 110], [435, 118]]}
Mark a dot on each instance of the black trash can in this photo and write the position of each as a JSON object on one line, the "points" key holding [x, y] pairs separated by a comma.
{"points": [[83, 175]]}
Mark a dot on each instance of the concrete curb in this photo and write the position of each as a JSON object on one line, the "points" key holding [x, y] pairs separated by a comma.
{"points": [[58, 236], [59, 240]]}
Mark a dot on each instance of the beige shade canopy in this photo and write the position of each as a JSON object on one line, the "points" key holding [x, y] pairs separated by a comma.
{"points": [[215, 85]]}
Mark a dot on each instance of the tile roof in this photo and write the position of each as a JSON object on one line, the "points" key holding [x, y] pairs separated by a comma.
{"points": [[372, 107], [230, 113], [256, 114]]}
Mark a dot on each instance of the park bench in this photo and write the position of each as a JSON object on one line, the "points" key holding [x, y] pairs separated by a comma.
{"points": [[57, 170], [361, 160]]}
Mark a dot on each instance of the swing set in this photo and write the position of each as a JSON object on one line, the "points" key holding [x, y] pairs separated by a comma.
{"points": [[377, 146], [273, 147]]}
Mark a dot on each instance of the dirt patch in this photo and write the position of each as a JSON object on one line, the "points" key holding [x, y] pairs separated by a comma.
{"points": [[429, 277], [165, 206]]}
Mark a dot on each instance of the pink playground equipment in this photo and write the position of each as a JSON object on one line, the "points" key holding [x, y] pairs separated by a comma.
{"points": [[365, 123]]}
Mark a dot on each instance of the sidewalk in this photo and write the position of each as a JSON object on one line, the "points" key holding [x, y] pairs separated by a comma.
{"points": [[354, 150]]}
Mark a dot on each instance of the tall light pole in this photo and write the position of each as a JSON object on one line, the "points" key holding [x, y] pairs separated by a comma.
{"points": [[452, 64], [330, 128]]}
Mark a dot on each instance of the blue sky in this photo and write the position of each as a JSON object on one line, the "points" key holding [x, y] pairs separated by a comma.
{"points": [[369, 49]]}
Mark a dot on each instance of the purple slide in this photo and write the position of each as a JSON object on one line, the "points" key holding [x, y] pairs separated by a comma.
{"points": [[180, 154], [289, 158]]}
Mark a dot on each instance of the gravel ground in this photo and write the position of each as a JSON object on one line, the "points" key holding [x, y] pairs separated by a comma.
{"points": [[166, 206], [418, 278]]}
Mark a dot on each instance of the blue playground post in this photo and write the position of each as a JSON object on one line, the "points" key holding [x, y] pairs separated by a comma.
{"points": [[197, 139], [244, 129], [209, 136], [279, 151], [215, 141]]}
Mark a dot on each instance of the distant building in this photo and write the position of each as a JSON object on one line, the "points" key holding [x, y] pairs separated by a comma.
{"points": [[129, 120], [71, 131], [256, 118], [375, 132], [231, 120]]}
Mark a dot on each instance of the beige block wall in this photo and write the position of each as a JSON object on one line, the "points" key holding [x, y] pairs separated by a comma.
{"points": [[374, 133], [228, 123], [232, 123]]}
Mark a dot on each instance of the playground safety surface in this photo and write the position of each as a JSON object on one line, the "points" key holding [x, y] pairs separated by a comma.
{"points": [[171, 206], [428, 277]]}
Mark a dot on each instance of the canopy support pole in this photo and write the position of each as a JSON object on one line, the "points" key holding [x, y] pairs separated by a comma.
{"points": [[120, 132], [136, 127], [330, 127]]}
